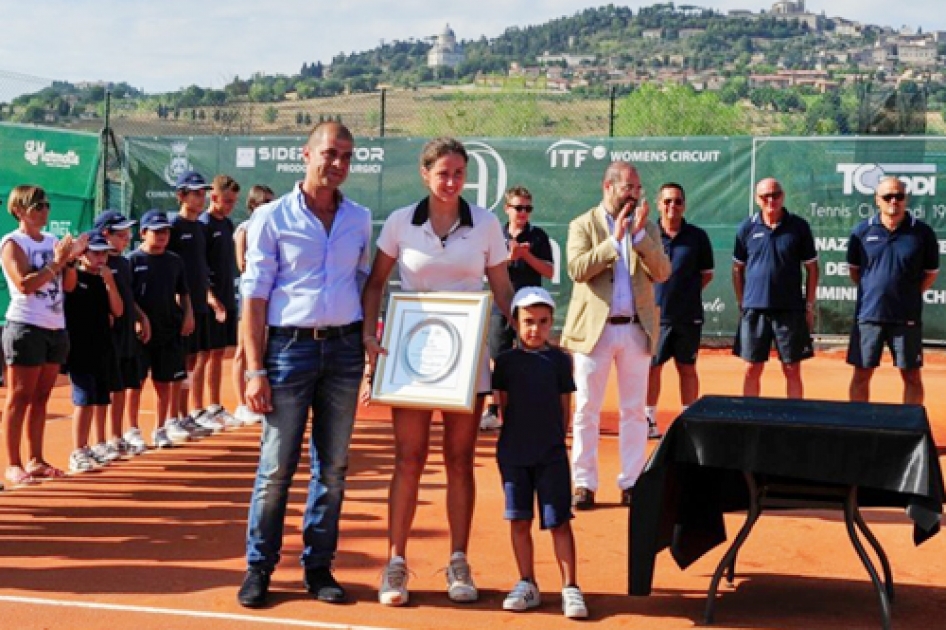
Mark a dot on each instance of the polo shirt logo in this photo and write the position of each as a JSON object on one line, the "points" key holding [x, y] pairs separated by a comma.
{"points": [[873, 238], [143, 268], [185, 237], [758, 235]]}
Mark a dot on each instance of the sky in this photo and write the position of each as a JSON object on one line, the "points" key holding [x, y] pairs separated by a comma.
{"points": [[171, 44]]}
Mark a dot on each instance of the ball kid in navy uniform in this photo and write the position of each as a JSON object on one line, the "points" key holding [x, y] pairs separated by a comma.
{"points": [[161, 291]]}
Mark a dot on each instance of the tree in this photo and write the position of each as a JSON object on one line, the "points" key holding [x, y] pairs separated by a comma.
{"points": [[677, 111], [270, 114]]}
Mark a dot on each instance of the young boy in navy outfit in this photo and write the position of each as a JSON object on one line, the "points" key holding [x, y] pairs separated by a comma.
{"points": [[128, 333], [89, 307], [534, 383], [189, 241], [160, 289]]}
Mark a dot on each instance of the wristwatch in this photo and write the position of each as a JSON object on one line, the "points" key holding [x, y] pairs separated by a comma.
{"points": [[249, 375]]}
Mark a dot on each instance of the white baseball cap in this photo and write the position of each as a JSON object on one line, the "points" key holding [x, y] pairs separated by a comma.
{"points": [[530, 296]]}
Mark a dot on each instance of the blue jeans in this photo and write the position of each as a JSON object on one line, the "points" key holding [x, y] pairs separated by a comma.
{"points": [[324, 376]]}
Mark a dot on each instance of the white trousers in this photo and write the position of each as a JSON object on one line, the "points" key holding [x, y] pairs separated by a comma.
{"points": [[626, 345]]}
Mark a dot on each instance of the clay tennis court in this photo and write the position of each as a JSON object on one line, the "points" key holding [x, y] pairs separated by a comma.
{"points": [[157, 541]]}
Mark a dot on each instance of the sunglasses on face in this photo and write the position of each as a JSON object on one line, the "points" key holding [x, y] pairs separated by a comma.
{"points": [[39, 205], [672, 202], [520, 208], [893, 197], [771, 195]]}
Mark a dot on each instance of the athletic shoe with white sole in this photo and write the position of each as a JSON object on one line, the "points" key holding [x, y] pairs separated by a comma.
{"points": [[460, 586], [393, 591], [246, 416], [175, 431], [160, 438], [524, 595], [136, 442], [81, 460], [573, 603]]}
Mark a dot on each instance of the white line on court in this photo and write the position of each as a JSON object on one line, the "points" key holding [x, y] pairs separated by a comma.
{"points": [[203, 614]]}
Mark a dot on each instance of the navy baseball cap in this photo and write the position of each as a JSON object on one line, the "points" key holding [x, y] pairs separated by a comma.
{"points": [[155, 220], [112, 220], [98, 242], [191, 180]]}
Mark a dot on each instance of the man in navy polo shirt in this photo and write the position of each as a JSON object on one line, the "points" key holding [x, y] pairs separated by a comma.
{"points": [[893, 259], [772, 246], [680, 299]]}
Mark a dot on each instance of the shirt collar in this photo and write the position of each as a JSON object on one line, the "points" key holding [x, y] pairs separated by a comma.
{"points": [[422, 213], [875, 220]]}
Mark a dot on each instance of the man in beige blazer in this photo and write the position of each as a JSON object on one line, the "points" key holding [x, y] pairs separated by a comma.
{"points": [[614, 257]]}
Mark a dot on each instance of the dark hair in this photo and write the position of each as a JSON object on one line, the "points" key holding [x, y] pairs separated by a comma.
{"points": [[257, 195], [675, 186], [439, 147]]}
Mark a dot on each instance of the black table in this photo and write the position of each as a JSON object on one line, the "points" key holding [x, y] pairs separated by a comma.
{"points": [[727, 454]]}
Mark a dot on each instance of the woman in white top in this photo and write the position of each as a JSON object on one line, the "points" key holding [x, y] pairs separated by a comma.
{"points": [[441, 243], [35, 342]]}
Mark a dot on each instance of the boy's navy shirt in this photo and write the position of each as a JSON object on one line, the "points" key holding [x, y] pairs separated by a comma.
{"points": [[893, 265], [680, 298], [533, 429], [157, 281], [123, 328], [188, 240], [221, 258], [87, 321], [773, 258]]}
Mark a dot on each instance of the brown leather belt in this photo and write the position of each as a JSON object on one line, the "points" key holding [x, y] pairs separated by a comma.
{"points": [[617, 321]]}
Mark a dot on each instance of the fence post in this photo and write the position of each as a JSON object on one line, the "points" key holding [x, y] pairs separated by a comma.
{"points": [[384, 108], [106, 134], [611, 98]]}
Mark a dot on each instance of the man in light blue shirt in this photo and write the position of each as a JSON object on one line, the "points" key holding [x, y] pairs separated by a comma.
{"points": [[306, 262]]}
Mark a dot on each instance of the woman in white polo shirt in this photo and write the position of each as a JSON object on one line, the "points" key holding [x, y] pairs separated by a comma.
{"points": [[441, 243]]}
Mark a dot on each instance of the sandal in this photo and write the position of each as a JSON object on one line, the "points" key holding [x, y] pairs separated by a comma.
{"points": [[19, 477], [42, 470]]}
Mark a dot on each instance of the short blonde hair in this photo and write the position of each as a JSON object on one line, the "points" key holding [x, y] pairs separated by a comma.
{"points": [[24, 197]]}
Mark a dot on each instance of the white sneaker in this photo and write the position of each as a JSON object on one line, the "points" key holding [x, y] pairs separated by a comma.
{"points": [[244, 415], [174, 430], [653, 433], [489, 421], [81, 460], [189, 424], [160, 438], [104, 454], [224, 418], [120, 445], [136, 442], [210, 418], [460, 586], [524, 595], [573, 603], [393, 591]]}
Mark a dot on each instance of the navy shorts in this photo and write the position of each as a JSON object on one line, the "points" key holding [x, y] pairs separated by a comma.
{"points": [[197, 341], [126, 374], [32, 346], [501, 334], [222, 335], [868, 340], [165, 360], [760, 328], [680, 342], [550, 483], [90, 389]]}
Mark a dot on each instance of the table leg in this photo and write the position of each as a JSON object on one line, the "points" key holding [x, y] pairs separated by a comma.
{"points": [[850, 516], [884, 563], [728, 561]]}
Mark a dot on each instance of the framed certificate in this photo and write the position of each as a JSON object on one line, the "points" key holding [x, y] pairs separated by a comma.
{"points": [[435, 344]]}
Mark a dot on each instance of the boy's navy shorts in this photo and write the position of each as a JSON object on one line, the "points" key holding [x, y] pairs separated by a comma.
{"points": [[164, 360], [550, 483], [90, 389], [222, 335], [197, 341], [680, 342], [126, 374]]}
